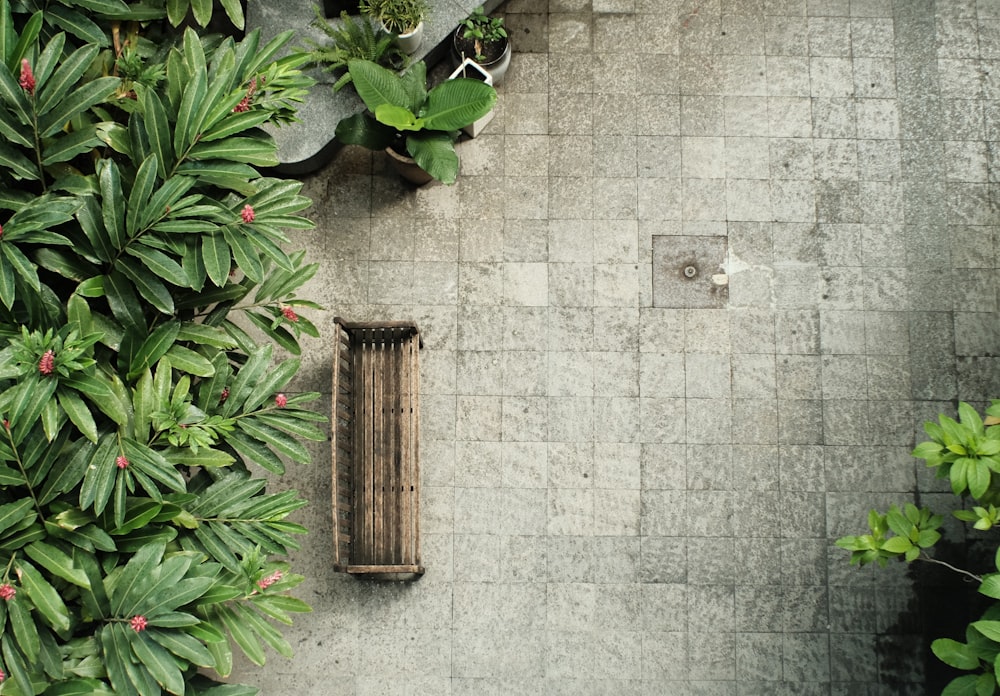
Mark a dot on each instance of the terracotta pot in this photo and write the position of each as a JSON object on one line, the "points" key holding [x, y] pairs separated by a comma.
{"points": [[407, 168]]}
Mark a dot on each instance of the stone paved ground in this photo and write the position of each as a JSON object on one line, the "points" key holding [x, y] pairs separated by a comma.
{"points": [[622, 498]]}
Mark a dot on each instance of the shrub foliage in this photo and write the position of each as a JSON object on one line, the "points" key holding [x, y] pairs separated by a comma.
{"points": [[141, 261]]}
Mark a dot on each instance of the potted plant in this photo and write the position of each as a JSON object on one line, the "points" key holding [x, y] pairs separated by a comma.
{"points": [[404, 18], [353, 39], [414, 125], [483, 39]]}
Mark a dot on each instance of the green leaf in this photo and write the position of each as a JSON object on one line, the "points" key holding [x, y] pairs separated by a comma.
{"points": [[245, 254], [77, 24], [57, 562], [69, 72], [81, 99], [202, 10], [377, 85], [241, 634], [20, 263], [158, 661], [158, 129], [134, 577], [234, 10], [78, 413], [897, 544], [961, 686], [258, 151], [148, 286], [435, 154], [204, 457], [29, 33], [43, 596], [17, 163], [364, 131], [24, 627], [14, 663], [183, 645], [142, 189], [215, 252], [12, 513], [138, 512], [283, 443], [189, 361], [990, 629], [978, 476], [154, 347], [112, 203], [255, 452]]}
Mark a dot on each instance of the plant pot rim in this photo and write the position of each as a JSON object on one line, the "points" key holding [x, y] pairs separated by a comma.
{"points": [[404, 34]]}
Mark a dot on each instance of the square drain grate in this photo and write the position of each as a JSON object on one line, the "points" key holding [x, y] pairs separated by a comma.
{"points": [[683, 267]]}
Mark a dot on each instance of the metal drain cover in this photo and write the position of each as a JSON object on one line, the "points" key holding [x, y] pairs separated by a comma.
{"points": [[683, 270]]}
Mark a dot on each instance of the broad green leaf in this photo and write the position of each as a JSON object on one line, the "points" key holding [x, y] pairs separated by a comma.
{"points": [[205, 335], [142, 189], [13, 95], [14, 662], [435, 154], [43, 596], [234, 10], [69, 72], [245, 254], [255, 452], [81, 99], [204, 457], [20, 263], [978, 477], [283, 443], [246, 380], [99, 476], [202, 10], [154, 347], [57, 562], [215, 252], [183, 645], [235, 123], [138, 512], [961, 686], [158, 661], [990, 629], [377, 85], [897, 544], [150, 287], [134, 577], [24, 627], [18, 164], [241, 634], [12, 513], [293, 425], [77, 24], [66, 147], [189, 361], [112, 203], [29, 33], [158, 129], [258, 151]]}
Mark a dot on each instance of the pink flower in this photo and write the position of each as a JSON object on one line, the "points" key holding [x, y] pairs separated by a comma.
{"points": [[138, 623], [281, 401], [7, 592], [225, 394], [265, 583], [289, 313], [6, 424], [248, 214], [244, 104], [27, 80], [121, 461], [3, 675], [47, 363]]}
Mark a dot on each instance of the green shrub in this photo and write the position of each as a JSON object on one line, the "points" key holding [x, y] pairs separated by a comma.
{"points": [[139, 244], [967, 453]]}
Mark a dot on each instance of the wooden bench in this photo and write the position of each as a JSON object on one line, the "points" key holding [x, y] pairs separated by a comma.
{"points": [[376, 473]]}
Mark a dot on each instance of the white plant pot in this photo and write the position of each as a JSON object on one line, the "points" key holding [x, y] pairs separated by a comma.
{"points": [[410, 43], [472, 69]]}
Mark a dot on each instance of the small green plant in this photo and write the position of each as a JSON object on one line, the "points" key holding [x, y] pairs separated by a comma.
{"points": [[353, 40], [398, 16], [967, 452], [404, 114], [482, 29]]}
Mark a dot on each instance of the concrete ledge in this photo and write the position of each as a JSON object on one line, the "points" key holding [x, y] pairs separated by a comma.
{"points": [[309, 144]]}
